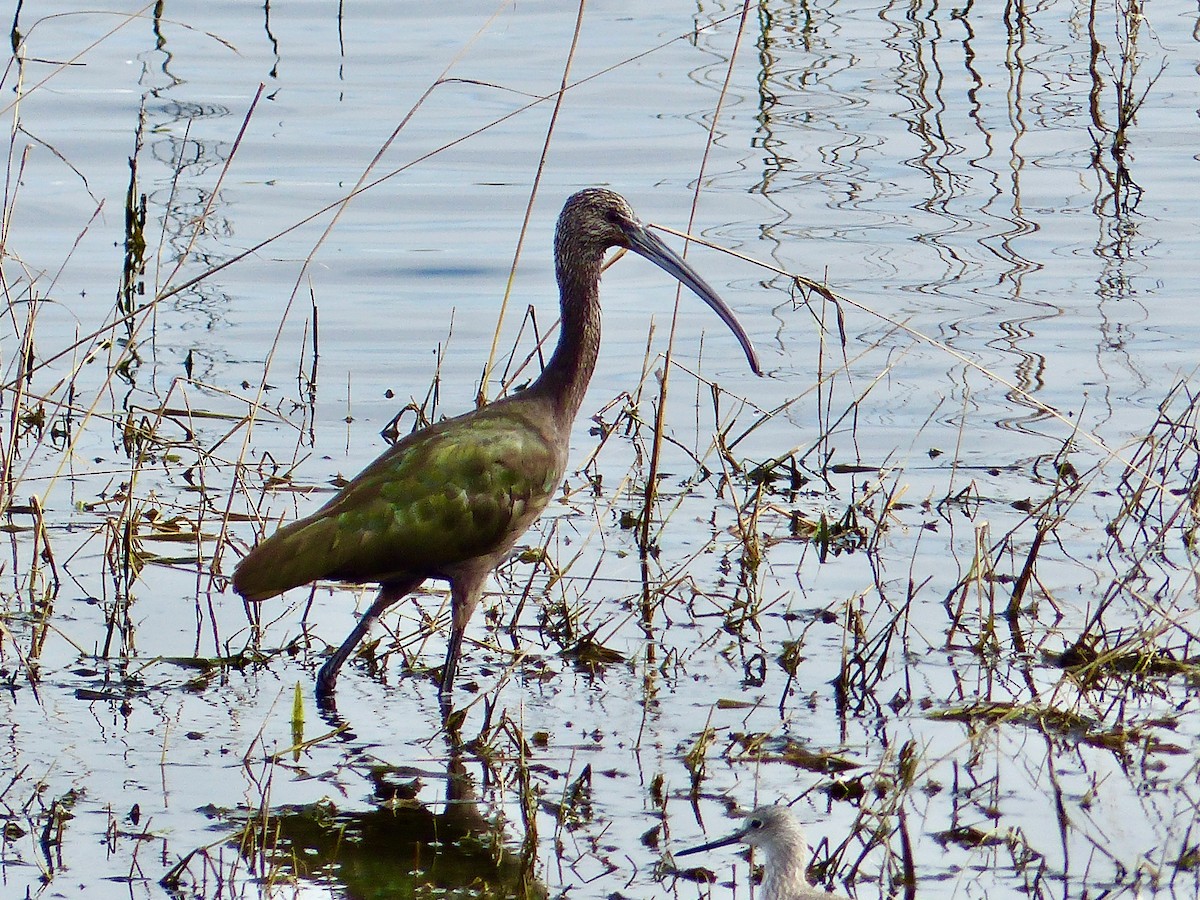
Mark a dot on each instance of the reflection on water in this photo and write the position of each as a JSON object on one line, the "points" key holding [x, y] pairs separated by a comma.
{"points": [[948, 543], [400, 849]]}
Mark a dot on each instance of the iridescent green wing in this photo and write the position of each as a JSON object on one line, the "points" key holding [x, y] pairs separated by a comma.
{"points": [[461, 489]]}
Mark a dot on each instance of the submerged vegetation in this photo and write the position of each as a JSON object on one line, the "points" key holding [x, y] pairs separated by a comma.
{"points": [[928, 582]]}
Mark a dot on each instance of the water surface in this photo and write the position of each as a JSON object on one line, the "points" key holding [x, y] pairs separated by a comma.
{"points": [[1002, 196]]}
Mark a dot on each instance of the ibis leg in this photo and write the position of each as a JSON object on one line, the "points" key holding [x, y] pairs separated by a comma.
{"points": [[465, 593], [388, 594]]}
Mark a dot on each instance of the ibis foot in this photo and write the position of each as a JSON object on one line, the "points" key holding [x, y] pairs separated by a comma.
{"points": [[327, 681]]}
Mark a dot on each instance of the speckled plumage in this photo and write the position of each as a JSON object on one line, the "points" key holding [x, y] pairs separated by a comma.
{"points": [[460, 489], [775, 831], [450, 501]]}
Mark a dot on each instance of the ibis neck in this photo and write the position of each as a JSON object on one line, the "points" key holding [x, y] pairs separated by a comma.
{"points": [[566, 376]]}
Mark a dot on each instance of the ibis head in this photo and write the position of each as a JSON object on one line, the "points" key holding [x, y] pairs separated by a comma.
{"points": [[595, 219]]}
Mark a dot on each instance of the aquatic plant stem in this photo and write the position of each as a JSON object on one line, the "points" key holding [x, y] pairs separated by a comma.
{"points": [[563, 87], [644, 543]]}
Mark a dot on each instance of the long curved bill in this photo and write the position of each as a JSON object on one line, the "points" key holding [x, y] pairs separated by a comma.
{"points": [[649, 245]]}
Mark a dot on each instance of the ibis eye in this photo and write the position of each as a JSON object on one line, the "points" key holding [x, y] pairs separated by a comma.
{"points": [[756, 824]]}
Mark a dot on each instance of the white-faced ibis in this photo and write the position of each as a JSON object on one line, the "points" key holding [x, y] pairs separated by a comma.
{"points": [[451, 500], [775, 831]]}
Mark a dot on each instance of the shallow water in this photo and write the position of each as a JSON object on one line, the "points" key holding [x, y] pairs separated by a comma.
{"points": [[949, 172]]}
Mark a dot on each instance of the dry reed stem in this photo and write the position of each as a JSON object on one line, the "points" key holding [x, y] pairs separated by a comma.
{"points": [[126, 19], [537, 180], [664, 379]]}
